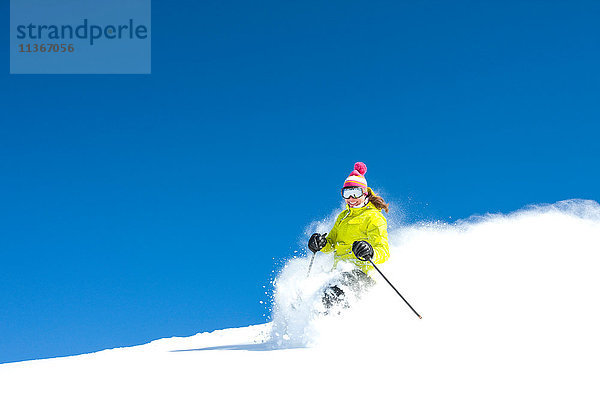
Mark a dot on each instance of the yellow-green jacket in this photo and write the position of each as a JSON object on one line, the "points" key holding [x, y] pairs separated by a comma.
{"points": [[364, 223]]}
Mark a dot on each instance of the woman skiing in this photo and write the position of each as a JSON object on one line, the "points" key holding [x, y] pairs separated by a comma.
{"points": [[358, 235]]}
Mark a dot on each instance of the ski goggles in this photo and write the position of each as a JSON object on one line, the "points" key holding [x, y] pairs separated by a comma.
{"points": [[354, 192]]}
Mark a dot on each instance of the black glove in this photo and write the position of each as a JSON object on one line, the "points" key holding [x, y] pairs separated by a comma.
{"points": [[317, 242], [362, 250]]}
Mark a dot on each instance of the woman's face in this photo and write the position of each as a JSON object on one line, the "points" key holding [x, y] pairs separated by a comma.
{"points": [[352, 202]]}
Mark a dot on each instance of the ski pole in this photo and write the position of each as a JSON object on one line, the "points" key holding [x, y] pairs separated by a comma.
{"points": [[299, 298], [386, 279], [311, 263]]}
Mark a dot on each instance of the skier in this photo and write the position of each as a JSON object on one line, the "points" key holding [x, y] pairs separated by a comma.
{"points": [[359, 233]]}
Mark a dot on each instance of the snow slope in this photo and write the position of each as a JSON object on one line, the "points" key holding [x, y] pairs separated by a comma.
{"points": [[509, 306]]}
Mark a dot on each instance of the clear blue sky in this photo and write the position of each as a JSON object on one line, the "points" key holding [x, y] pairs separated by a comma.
{"points": [[139, 207]]}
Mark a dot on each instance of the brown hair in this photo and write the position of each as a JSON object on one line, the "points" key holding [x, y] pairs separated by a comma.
{"points": [[377, 201]]}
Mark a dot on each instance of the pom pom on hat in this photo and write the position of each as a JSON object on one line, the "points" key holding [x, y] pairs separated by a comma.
{"points": [[356, 178], [360, 167]]}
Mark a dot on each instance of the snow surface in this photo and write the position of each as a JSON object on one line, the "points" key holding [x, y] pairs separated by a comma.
{"points": [[509, 305]]}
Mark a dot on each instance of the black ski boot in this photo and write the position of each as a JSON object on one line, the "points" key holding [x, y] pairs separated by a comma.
{"points": [[355, 281], [334, 296]]}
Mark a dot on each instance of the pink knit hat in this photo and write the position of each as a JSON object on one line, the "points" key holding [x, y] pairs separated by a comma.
{"points": [[357, 177]]}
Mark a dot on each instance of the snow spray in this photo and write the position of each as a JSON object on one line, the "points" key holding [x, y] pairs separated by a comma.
{"points": [[515, 283]]}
